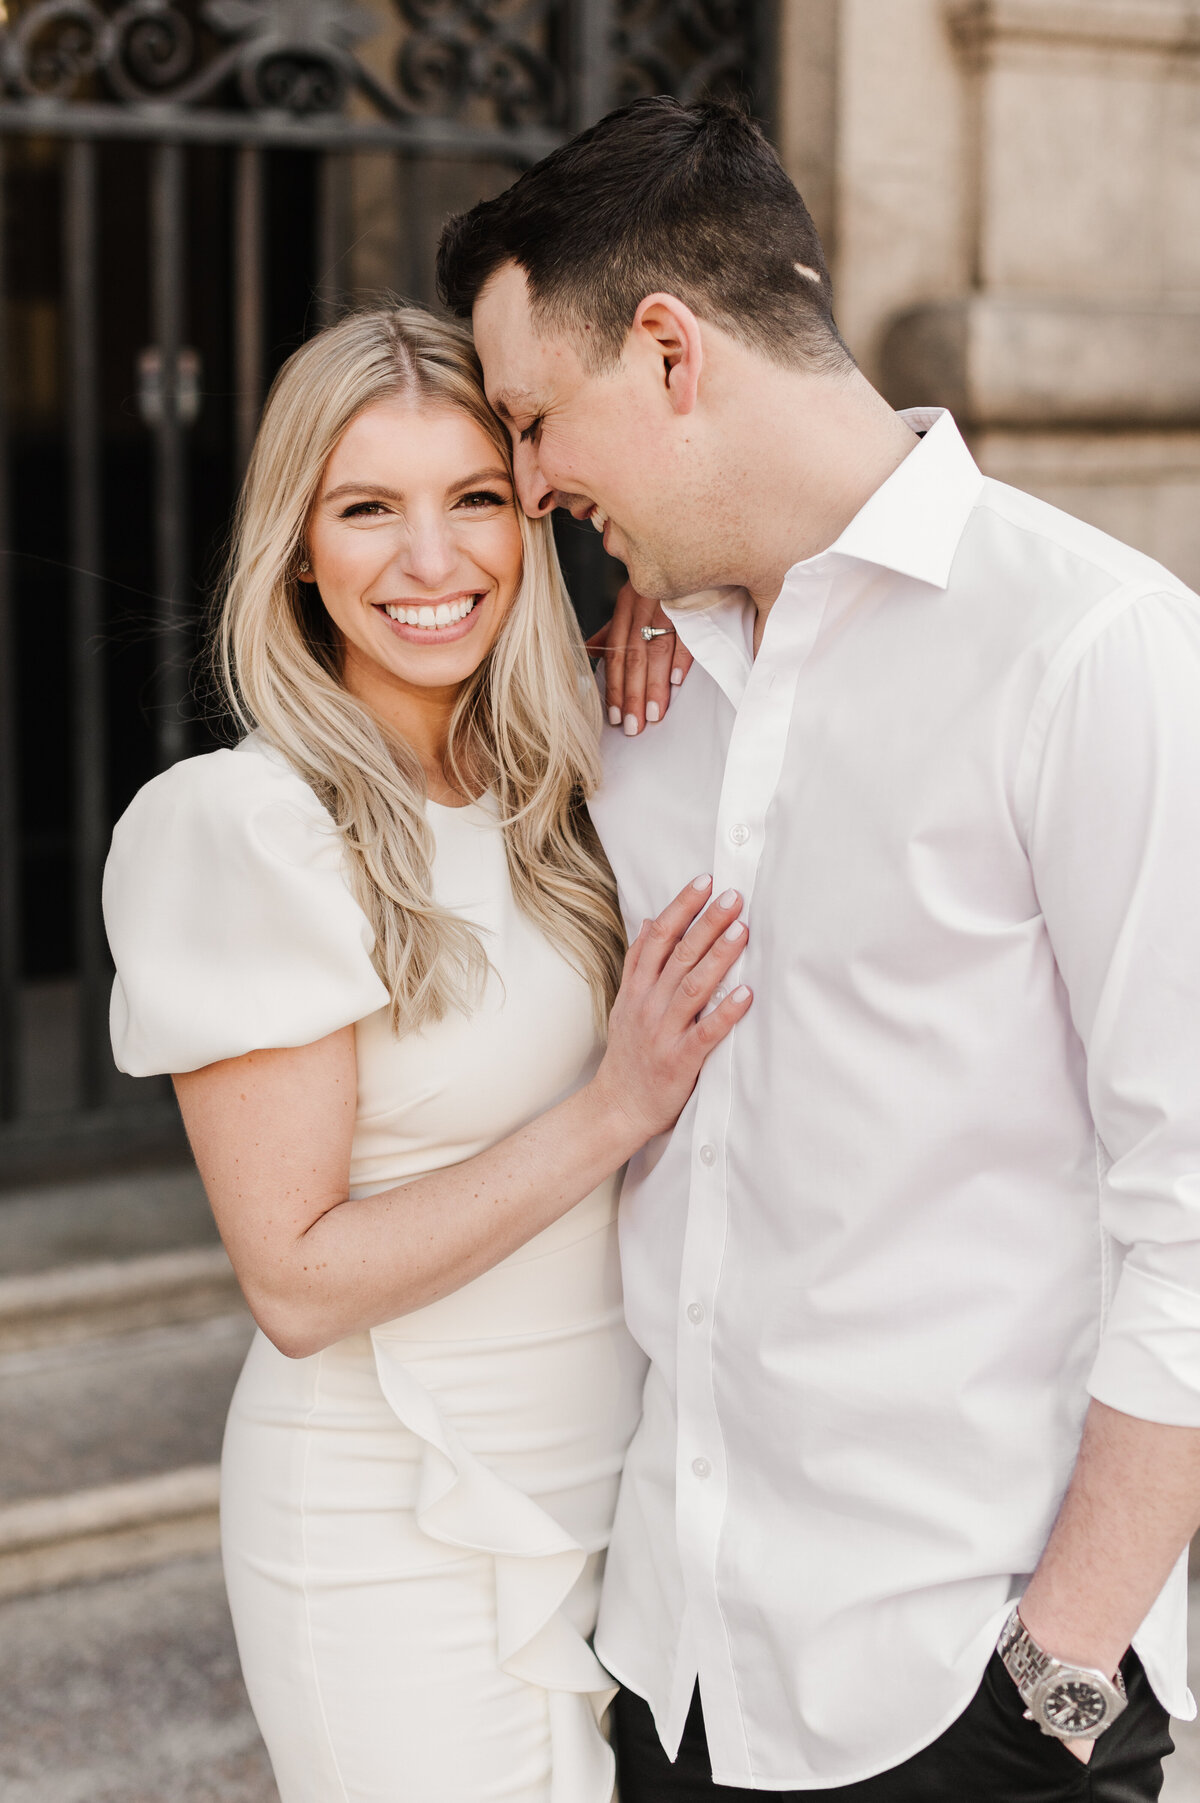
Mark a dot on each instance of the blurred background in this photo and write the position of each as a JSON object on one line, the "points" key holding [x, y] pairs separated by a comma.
{"points": [[1009, 193]]}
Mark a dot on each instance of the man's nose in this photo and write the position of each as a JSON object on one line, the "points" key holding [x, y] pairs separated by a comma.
{"points": [[535, 494]]}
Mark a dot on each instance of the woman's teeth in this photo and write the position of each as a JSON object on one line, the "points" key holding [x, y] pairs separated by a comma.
{"points": [[599, 520], [446, 613]]}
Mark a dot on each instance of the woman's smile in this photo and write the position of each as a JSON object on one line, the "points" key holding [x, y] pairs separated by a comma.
{"points": [[439, 620]]}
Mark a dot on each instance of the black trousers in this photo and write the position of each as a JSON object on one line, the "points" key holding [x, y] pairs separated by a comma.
{"points": [[991, 1754]]}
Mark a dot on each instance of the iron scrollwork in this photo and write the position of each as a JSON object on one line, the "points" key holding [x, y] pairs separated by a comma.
{"points": [[455, 57], [457, 54], [686, 47], [55, 48], [490, 62]]}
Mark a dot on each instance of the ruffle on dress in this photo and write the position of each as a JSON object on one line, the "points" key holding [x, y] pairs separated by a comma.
{"points": [[462, 1503]]}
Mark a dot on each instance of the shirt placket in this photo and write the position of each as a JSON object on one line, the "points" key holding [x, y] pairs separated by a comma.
{"points": [[752, 770]]}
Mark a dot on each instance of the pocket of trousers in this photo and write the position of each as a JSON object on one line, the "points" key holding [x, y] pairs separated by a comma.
{"points": [[1037, 1766]]}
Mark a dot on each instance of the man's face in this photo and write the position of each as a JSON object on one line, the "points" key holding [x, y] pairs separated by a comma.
{"points": [[609, 446]]}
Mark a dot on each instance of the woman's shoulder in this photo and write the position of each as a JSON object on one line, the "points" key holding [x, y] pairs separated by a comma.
{"points": [[237, 788], [231, 922]]}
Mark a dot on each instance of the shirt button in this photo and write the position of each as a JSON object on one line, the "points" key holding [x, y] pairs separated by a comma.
{"points": [[708, 1155], [702, 1468], [719, 996], [739, 833], [695, 1313]]}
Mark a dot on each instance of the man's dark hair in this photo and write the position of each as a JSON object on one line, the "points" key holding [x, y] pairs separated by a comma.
{"points": [[659, 196]]}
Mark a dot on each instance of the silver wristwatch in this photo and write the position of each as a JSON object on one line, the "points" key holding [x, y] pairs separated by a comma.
{"points": [[1072, 1702]]}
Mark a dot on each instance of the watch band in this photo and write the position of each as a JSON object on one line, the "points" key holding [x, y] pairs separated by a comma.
{"points": [[1036, 1674], [1023, 1658]]}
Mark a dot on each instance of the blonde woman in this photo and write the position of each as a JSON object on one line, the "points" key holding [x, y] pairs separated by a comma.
{"points": [[376, 945]]}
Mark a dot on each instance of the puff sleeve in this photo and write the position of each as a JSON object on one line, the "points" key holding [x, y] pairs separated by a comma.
{"points": [[230, 920]]}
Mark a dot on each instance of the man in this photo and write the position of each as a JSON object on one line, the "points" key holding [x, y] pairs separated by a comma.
{"points": [[918, 1270]]}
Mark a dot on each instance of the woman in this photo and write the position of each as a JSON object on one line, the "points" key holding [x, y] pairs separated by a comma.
{"points": [[375, 945]]}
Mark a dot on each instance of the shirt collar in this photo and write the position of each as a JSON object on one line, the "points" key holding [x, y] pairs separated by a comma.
{"points": [[717, 626], [913, 522]]}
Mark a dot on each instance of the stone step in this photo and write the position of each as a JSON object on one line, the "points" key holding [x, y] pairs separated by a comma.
{"points": [[102, 1412], [111, 1448], [116, 1296], [55, 1540], [127, 1690], [156, 1208], [122, 1332]]}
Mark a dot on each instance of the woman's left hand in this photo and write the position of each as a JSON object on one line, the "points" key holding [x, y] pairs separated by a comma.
{"points": [[638, 674]]}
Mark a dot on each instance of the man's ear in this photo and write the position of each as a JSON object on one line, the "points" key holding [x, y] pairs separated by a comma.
{"points": [[670, 333]]}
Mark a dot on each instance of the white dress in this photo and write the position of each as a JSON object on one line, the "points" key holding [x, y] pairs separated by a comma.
{"points": [[414, 1520]]}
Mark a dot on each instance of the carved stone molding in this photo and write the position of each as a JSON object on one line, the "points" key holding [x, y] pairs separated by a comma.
{"points": [[1005, 360], [1165, 26]]}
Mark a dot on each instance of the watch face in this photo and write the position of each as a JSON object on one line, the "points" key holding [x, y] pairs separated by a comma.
{"points": [[1073, 1706]]}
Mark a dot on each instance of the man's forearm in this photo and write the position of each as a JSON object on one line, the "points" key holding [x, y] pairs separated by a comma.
{"points": [[1132, 1507]]}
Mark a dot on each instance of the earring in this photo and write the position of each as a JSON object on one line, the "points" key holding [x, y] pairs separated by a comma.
{"points": [[305, 566]]}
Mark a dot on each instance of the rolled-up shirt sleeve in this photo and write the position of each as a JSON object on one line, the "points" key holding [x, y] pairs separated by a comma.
{"points": [[1114, 842]]}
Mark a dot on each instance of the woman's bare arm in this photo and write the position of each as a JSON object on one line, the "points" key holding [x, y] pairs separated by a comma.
{"points": [[272, 1131]]}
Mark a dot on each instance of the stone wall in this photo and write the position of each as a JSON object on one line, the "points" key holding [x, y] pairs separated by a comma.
{"points": [[1010, 191]]}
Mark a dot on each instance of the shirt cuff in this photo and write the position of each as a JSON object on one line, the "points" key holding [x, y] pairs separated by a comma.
{"points": [[1148, 1364]]}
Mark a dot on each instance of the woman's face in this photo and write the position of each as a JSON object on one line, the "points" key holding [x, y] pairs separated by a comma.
{"points": [[414, 544]]}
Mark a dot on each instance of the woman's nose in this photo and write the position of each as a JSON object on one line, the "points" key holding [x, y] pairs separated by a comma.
{"points": [[431, 554]]}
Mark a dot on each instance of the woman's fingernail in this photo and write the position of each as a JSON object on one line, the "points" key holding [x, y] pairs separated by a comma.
{"points": [[652, 710], [727, 900], [631, 725], [676, 678], [614, 716], [740, 994], [702, 882], [736, 931]]}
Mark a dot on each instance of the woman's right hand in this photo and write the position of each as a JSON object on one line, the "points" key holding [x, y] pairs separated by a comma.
{"points": [[658, 1034]]}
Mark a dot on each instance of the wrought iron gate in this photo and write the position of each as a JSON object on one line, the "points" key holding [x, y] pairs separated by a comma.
{"points": [[188, 187]]}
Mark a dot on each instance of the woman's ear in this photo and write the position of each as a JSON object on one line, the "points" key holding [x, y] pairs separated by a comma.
{"points": [[670, 332]]}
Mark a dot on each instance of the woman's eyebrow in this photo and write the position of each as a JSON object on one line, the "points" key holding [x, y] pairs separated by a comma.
{"points": [[497, 473], [361, 488]]}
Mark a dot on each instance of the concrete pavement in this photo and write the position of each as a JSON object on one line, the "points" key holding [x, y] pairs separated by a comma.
{"points": [[127, 1691]]}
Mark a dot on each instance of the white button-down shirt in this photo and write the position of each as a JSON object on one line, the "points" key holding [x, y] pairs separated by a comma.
{"points": [[944, 1180]]}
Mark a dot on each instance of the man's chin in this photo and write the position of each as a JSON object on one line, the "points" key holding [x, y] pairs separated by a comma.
{"points": [[683, 590]]}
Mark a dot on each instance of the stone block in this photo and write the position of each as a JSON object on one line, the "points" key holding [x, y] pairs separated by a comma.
{"points": [[1142, 487], [1032, 361]]}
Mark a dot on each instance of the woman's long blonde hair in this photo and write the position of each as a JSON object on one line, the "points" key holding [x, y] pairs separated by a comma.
{"points": [[526, 725]]}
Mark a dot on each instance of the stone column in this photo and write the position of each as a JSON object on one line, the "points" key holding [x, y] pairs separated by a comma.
{"points": [[1015, 222]]}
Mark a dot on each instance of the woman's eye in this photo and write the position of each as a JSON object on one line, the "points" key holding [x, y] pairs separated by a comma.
{"points": [[483, 497], [530, 432], [362, 509]]}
